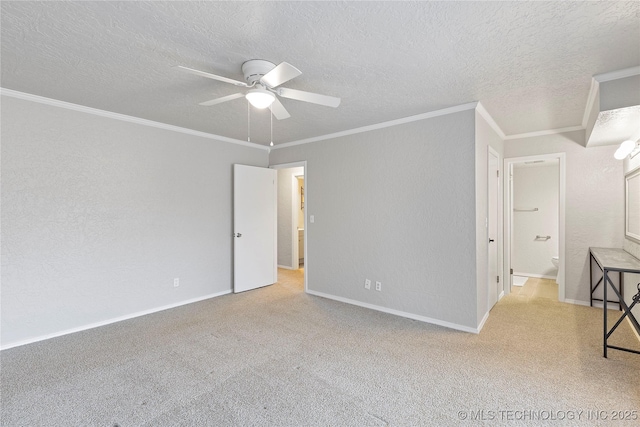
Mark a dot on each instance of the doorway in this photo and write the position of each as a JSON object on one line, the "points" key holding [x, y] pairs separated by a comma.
{"points": [[292, 196], [298, 215], [495, 291], [535, 222]]}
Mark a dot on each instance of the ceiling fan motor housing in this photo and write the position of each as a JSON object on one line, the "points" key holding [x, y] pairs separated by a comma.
{"points": [[254, 69]]}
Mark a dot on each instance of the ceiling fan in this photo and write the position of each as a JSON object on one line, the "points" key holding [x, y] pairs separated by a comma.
{"points": [[264, 78]]}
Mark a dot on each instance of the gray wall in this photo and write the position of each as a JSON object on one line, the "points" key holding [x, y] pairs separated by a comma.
{"points": [[395, 205], [100, 215], [594, 201], [620, 93]]}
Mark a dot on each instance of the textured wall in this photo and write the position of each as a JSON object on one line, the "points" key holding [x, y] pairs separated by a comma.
{"points": [[396, 205], [535, 187], [632, 246], [594, 200], [285, 188], [100, 215]]}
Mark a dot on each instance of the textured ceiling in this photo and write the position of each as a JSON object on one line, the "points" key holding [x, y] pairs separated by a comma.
{"points": [[615, 126], [530, 63]]}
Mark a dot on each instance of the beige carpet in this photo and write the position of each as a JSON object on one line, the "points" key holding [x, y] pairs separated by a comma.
{"points": [[536, 288], [279, 357]]}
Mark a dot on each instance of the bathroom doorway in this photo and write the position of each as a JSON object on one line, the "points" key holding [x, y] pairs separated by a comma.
{"points": [[535, 226], [298, 212], [292, 199]]}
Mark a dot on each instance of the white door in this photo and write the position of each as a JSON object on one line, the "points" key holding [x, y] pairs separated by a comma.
{"points": [[493, 183], [255, 227]]}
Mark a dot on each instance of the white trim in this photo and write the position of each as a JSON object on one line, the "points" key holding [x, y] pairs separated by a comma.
{"points": [[397, 312], [618, 74], [499, 224], [110, 321], [633, 328], [535, 276], [507, 224], [508, 166], [591, 100], [562, 212], [483, 321], [577, 302], [544, 132], [612, 305], [390, 123], [125, 118], [295, 233], [286, 267], [287, 165], [302, 163], [492, 123]]}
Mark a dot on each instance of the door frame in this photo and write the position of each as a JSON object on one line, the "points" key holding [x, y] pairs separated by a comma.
{"points": [[499, 226], [294, 238], [508, 214]]}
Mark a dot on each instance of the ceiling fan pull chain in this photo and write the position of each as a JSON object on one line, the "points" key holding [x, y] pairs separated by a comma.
{"points": [[271, 115], [248, 122]]}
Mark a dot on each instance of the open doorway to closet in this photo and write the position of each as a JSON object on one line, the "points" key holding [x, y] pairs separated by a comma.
{"points": [[291, 231]]}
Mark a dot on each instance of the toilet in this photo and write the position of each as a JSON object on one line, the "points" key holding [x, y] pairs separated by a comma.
{"points": [[555, 260]]}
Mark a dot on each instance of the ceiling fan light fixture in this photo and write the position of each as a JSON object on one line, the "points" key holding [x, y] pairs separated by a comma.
{"points": [[624, 150], [260, 98]]}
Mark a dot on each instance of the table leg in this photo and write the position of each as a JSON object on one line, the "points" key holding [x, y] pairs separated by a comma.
{"points": [[604, 316]]}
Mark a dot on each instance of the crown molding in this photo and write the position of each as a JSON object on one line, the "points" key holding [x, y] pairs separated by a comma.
{"points": [[390, 123], [124, 117], [618, 74], [544, 132], [485, 114]]}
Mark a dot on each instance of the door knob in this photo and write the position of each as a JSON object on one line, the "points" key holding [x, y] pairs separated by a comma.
{"points": [[238, 234], [491, 240]]}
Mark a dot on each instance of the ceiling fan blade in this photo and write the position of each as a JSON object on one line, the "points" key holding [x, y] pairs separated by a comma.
{"points": [[213, 76], [279, 111], [283, 72], [223, 99], [315, 98]]}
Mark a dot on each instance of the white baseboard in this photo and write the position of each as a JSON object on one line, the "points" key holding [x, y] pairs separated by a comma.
{"points": [[286, 267], [610, 305], [110, 321], [633, 329], [398, 312], [596, 304], [535, 276], [483, 321], [577, 302]]}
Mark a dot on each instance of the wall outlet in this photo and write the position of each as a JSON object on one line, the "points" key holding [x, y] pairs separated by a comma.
{"points": [[176, 282], [378, 286], [367, 284]]}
